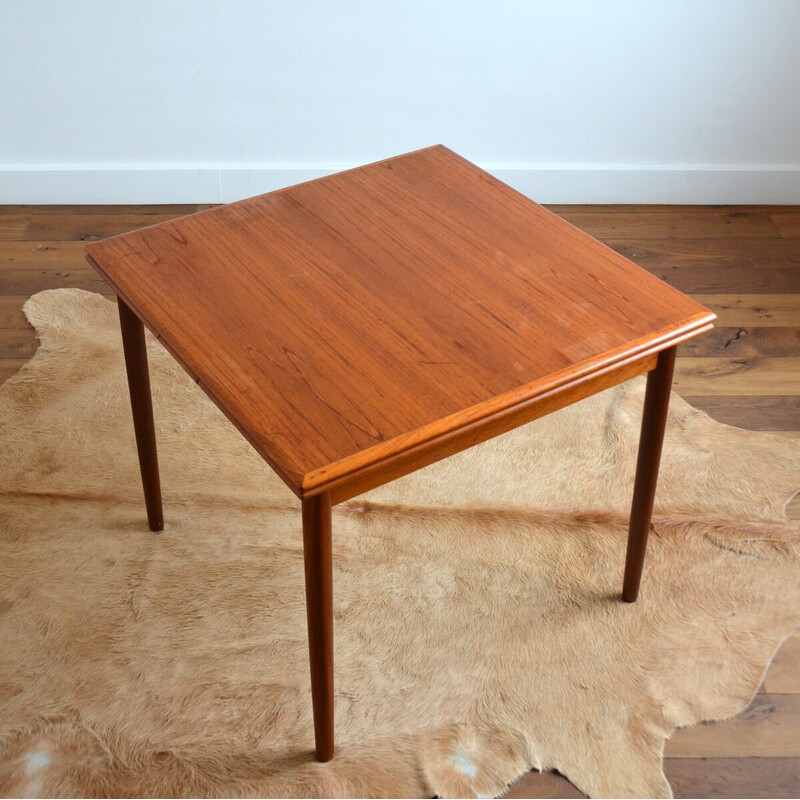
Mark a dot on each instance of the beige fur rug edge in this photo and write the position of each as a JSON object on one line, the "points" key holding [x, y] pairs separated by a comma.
{"points": [[478, 627]]}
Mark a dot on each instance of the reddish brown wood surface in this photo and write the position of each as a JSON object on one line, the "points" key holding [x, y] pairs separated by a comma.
{"points": [[651, 439], [344, 321], [469, 434], [135, 348], [318, 559]]}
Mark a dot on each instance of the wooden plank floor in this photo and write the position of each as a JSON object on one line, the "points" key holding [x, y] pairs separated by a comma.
{"points": [[742, 262]]}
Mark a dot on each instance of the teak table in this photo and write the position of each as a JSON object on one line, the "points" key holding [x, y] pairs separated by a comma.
{"points": [[358, 327]]}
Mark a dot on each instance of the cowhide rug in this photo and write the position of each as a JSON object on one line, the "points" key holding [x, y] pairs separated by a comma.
{"points": [[479, 630]]}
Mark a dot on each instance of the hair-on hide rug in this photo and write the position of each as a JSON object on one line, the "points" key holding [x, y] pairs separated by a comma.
{"points": [[479, 630]]}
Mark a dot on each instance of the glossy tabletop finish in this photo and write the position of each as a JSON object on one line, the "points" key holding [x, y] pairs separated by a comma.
{"points": [[345, 322]]}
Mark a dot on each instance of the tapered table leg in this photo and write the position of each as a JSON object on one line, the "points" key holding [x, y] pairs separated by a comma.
{"points": [[319, 609], [133, 343], [654, 420]]}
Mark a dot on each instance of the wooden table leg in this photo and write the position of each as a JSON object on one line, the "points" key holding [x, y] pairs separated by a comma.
{"points": [[317, 552], [133, 344], [654, 419]]}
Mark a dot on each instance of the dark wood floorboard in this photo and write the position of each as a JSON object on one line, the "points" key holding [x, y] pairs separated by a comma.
{"points": [[741, 261]]}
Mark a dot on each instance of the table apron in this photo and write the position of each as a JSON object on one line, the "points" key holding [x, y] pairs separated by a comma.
{"points": [[374, 475]]}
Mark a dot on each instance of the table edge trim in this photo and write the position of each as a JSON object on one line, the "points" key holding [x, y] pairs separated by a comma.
{"points": [[357, 465]]}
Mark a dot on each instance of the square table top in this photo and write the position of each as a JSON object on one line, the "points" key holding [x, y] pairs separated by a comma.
{"points": [[341, 322]]}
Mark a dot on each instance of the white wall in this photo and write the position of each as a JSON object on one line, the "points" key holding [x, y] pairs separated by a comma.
{"points": [[570, 100]]}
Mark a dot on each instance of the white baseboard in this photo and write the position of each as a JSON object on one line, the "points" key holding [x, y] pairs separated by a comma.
{"points": [[690, 184], [701, 185]]}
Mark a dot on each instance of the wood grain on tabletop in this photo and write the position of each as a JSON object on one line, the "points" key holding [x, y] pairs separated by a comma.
{"points": [[401, 301]]}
